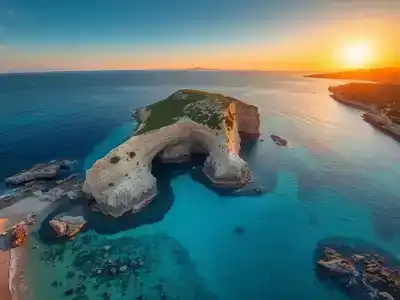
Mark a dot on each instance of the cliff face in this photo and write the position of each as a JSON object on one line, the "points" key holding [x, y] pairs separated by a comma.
{"points": [[247, 119], [188, 121]]}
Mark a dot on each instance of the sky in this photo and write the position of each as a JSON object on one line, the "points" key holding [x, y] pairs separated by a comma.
{"points": [[45, 35]]}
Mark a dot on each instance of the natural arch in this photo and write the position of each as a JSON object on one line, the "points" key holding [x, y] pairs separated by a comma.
{"points": [[122, 180]]}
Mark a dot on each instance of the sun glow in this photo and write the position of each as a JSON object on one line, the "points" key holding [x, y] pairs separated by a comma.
{"points": [[357, 55]]}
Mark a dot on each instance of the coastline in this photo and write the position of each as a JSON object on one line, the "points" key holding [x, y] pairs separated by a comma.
{"points": [[5, 269], [17, 286], [372, 116]]}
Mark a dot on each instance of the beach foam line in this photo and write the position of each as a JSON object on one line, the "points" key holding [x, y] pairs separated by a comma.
{"points": [[17, 285], [4, 268]]}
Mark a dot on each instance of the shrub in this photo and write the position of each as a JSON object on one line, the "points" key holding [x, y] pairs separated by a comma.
{"points": [[115, 159]]}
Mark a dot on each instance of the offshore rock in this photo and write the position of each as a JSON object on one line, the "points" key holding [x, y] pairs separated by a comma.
{"points": [[339, 266], [188, 121], [67, 225], [39, 171]]}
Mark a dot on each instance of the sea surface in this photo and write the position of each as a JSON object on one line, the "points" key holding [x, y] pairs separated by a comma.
{"points": [[338, 181]]}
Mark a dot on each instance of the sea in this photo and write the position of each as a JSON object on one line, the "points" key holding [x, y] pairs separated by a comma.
{"points": [[336, 184]]}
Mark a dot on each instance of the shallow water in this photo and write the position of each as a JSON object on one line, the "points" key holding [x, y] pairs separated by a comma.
{"points": [[338, 178]]}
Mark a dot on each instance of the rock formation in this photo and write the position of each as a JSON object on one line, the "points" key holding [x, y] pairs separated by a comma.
{"points": [[368, 272], [67, 225], [187, 121], [39, 171]]}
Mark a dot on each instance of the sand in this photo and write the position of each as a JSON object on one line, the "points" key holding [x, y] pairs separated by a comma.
{"points": [[4, 269]]}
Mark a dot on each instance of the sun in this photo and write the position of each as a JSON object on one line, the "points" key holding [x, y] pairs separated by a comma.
{"points": [[357, 55]]}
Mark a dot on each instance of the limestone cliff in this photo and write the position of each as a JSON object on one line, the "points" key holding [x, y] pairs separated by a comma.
{"points": [[188, 121]]}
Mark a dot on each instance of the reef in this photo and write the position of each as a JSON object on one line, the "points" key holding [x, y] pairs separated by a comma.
{"points": [[359, 274], [185, 123], [49, 170], [126, 267]]}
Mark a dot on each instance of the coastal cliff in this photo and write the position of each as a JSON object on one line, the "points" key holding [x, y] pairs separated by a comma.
{"points": [[381, 103], [188, 121]]}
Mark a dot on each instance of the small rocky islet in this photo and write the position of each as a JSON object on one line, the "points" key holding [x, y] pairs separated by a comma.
{"points": [[359, 274]]}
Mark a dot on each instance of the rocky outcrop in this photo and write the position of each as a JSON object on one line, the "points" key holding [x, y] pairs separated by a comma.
{"points": [[39, 171], [368, 272], [199, 121], [43, 190], [67, 225]]}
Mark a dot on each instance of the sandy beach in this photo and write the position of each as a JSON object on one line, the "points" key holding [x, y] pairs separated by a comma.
{"points": [[4, 269]]}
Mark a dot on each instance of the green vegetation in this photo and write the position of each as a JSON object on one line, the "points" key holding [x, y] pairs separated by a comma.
{"points": [[178, 105], [385, 97], [115, 159], [132, 154]]}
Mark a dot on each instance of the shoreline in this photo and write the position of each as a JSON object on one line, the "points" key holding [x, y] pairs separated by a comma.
{"points": [[5, 268], [372, 116]]}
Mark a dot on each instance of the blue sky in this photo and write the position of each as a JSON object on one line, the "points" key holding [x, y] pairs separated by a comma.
{"points": [[33, 30]]}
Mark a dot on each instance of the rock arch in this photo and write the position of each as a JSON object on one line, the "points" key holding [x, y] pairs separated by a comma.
{"points": [[122, 180]]}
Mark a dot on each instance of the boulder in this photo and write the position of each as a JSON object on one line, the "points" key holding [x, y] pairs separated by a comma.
{"points": [[67, 225]]}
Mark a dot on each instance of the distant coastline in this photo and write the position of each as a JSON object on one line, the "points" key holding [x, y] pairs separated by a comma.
{"points": [[379, 99], [382, 75], [380, 103]]}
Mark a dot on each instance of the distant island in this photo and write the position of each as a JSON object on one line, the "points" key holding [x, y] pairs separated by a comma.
{"points": [[382, 75], [201, 69]]}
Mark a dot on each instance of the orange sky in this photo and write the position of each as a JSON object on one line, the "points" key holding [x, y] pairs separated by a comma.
{"points": [[316, 46]]}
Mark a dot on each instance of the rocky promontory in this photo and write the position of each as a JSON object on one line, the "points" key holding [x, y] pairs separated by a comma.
{"points": [[188, 121], [381, 103], [67, 225]]}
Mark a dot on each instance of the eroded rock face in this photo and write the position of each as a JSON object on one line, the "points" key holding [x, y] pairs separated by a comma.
{"points": [[39, 171], [67, 225], [122, 180], [247, 119]]}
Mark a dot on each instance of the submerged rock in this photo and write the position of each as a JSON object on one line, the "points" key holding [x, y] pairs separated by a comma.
{"points": [[69, 292], [67, 225]]}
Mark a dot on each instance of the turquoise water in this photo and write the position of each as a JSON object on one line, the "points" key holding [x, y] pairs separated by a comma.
{"points": [[338, 179]]}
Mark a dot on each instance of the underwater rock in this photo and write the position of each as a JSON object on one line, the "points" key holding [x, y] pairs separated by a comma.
{"points": [[67, 225], [239, 230], [123, 269], [69, 292]]}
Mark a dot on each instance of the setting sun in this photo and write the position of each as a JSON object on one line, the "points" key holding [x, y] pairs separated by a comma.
{"points": [[357, 55]]}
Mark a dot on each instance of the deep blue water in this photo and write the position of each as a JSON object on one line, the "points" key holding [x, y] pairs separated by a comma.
{"points": [[337, 181]]}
